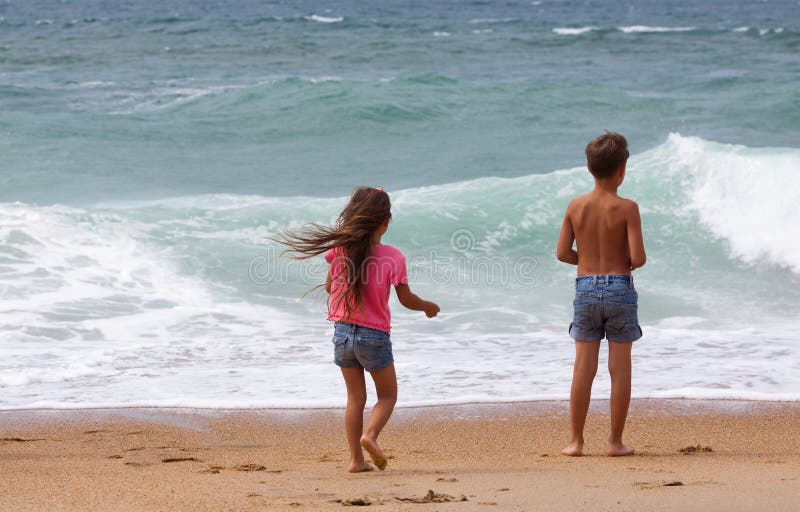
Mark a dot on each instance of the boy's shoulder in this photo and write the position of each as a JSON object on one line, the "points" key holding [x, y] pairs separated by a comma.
{"points": [[578, 200], [629, 204], [582, 200]]}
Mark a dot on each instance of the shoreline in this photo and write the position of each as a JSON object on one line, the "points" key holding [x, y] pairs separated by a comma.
{"points": [[721, 403], [505, 456]]}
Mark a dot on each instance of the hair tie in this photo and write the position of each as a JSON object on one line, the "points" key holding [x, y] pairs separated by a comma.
{"points": [[381, 189]]}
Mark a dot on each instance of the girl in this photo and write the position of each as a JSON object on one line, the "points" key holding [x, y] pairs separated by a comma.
{"points": [[359, 279]]}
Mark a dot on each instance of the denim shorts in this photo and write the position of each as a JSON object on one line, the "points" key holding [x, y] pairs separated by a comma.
{"points": [[605, 307], [356, 346]]}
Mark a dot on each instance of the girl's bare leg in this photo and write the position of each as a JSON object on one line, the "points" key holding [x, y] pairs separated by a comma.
{"points": [[354, 417], [586, 353], [619, 366], [386, 389]]}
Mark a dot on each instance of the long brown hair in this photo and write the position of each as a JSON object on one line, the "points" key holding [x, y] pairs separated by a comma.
{"points": [[353, 231]]}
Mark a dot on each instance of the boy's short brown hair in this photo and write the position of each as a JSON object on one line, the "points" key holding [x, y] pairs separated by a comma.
{"points": [[606, 154]]}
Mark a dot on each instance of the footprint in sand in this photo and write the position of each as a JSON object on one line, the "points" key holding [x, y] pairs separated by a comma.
{"points": [[181, 459], [139, 448], [691, 450], [433, 497], [250, 467], [653, 485], [355, 502], [241, 467]]}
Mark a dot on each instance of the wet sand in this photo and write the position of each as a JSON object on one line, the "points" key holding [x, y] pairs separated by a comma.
{"points": [[691, 455]]}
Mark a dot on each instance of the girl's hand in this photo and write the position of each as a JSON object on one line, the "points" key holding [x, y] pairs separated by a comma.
{"points": [[431, 309], [411, 301]]}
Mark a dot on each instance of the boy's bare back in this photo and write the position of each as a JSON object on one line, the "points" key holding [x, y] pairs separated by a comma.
{"points": [[606, 227], [607, 231]]}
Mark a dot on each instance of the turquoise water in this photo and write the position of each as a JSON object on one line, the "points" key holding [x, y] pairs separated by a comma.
{"points": [[147, 148]]}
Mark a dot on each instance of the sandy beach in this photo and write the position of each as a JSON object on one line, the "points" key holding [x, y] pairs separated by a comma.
{"points": [[691, 455]]}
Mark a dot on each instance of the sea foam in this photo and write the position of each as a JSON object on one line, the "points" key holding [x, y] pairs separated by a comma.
{"points": [[632, 29], [567, 31], [325, 19], [740, 193], [151, 303]]}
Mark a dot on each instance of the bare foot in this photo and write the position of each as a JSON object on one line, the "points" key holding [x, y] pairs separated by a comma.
{"points": [[375, 452], [356, 467], [619, 450], [573, 450]]}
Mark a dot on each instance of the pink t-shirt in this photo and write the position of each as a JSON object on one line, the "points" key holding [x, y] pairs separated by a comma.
{"points": [[386, 267]]}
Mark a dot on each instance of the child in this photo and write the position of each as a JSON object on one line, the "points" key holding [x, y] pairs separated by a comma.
{"points": [[608, 233], [359, 279]]}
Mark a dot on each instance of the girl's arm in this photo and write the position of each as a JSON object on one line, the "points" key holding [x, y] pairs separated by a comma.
{"points": [[411, 301], [328, 282]]}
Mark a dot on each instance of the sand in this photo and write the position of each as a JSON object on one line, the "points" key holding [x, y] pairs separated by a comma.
{"points": [[742, 456]]}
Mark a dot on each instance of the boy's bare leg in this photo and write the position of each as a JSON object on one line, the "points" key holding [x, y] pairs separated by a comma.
{"points": [[386, 389], [586, 353], [354, 417], [619, 366]]}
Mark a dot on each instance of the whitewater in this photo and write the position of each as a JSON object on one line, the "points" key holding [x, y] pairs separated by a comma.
{"points": [[181, 302]]}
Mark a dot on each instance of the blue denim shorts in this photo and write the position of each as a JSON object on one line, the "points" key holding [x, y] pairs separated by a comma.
{"points": [[356, 346], [605, 307]]}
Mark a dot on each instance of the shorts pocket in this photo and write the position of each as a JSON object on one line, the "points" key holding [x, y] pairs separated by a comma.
{"points": [[339, 348], [629, 297], [622, 316], [584, 318], [374, 353], [375, 341]]}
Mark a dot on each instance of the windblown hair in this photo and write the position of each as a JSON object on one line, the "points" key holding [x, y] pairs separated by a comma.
{"points": [[606, 154], [353, 231]]}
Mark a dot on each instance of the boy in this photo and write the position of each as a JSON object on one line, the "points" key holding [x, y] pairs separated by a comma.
{"points": [[608, 233]]}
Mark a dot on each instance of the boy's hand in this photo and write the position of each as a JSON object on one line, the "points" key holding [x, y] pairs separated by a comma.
{"points": [[431, 309]]}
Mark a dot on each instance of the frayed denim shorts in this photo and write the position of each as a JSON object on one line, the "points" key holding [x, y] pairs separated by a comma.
{"points": [[356, 346], [605, 307]]}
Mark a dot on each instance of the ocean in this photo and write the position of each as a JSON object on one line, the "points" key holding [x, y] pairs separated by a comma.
{"points": [[147, 148]]}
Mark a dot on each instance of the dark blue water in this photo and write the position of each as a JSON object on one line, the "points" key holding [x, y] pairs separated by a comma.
{"points": [[109, 100]]}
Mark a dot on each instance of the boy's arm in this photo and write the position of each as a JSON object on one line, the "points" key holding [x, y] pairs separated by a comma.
{"points": [[564, 251], [635, 239], [411, 301]]}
